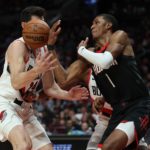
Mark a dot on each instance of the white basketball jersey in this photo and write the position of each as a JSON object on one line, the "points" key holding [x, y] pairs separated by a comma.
{"points": [[94, 90], [6, 89], [92, 86]]}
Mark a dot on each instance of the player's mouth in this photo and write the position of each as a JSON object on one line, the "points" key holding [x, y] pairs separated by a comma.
{"points": [[93, 31]]}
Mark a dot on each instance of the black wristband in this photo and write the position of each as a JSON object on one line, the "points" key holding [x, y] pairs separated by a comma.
{"points": [[50, 47]]}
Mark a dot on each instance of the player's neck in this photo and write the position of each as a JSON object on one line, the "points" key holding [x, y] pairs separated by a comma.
{"points": [[104, 39], [31, 50]]}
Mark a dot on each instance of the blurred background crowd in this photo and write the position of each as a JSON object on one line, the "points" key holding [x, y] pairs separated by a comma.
{"points": [[77, 118]]}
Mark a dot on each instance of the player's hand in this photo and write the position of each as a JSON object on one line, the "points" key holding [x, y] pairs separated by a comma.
{"points": [[83, 42], [45, 63], [54, 32], [24, 111], [98, 104], [78, 93]]}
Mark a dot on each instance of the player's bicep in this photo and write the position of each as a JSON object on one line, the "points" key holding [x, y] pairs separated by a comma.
{"points": [[15, 56], [117, 43]]}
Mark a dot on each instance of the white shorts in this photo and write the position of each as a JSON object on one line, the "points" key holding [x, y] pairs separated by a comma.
{"points": [[129, 129], [9, 118]]}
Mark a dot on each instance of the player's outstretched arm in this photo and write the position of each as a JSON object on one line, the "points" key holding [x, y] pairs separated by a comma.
{"points": [[60, 72], [52, 89], [16, 55], [66, 78], [116, 46]]}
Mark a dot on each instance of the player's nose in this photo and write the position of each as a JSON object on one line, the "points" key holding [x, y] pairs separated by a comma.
{"points": [[92, 26]]}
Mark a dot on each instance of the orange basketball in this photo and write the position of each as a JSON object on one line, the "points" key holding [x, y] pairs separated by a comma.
{"points": [[35, 33]]}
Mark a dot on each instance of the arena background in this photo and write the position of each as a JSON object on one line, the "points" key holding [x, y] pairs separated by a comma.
{"points": [[69, 124]]}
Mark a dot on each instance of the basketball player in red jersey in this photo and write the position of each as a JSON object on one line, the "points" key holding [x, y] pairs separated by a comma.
{"points": [[23, 71], [119, 80]]}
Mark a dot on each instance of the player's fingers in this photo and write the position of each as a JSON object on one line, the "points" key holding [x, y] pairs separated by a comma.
{"points": [[84, 97], [94, 109], [77, 87], [85, 89], [85, 93], [82, 90], [58, 31], [38, 56], [55, 25], [98, 109], [82, 41], [48, 57], [86, 40], [53, 67], [96, 106], [53, 62]]}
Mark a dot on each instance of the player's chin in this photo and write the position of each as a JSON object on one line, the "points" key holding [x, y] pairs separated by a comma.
{"points": [[96, 35]]}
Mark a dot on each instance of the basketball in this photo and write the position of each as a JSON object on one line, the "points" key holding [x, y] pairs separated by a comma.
{"points": [[35, 33]]}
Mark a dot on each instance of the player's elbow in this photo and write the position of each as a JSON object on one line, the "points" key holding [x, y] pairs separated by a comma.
{"points": [[105, 65], [46, 92], [105, 60]]}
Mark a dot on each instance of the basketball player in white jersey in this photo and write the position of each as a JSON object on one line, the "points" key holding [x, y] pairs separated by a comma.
{"points": [[23, 70], [103, 110], [77, 72]]}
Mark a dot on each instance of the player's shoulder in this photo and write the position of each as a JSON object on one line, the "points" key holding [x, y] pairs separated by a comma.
{"points": [[18, 42], [119, 36], [120, 33], [17, 46]]}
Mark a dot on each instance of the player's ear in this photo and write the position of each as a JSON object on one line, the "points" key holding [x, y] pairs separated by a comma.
{"points": [[108, 25], [23, 24]]}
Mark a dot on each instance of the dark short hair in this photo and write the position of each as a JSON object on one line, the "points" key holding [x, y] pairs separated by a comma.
{"points": [[30, 11], [112, 20]]}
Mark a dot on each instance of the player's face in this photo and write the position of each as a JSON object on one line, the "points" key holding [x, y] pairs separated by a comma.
{"points": [[99, 27]]}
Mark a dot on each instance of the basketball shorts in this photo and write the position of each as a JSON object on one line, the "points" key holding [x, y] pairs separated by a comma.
{"points": [[10, 117], [133, 120]]}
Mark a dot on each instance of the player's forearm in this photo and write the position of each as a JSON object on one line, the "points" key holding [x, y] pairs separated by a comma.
{"points": [[58, 93], [52, 89], [104, 60], [24, 78], [60, 72]]}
